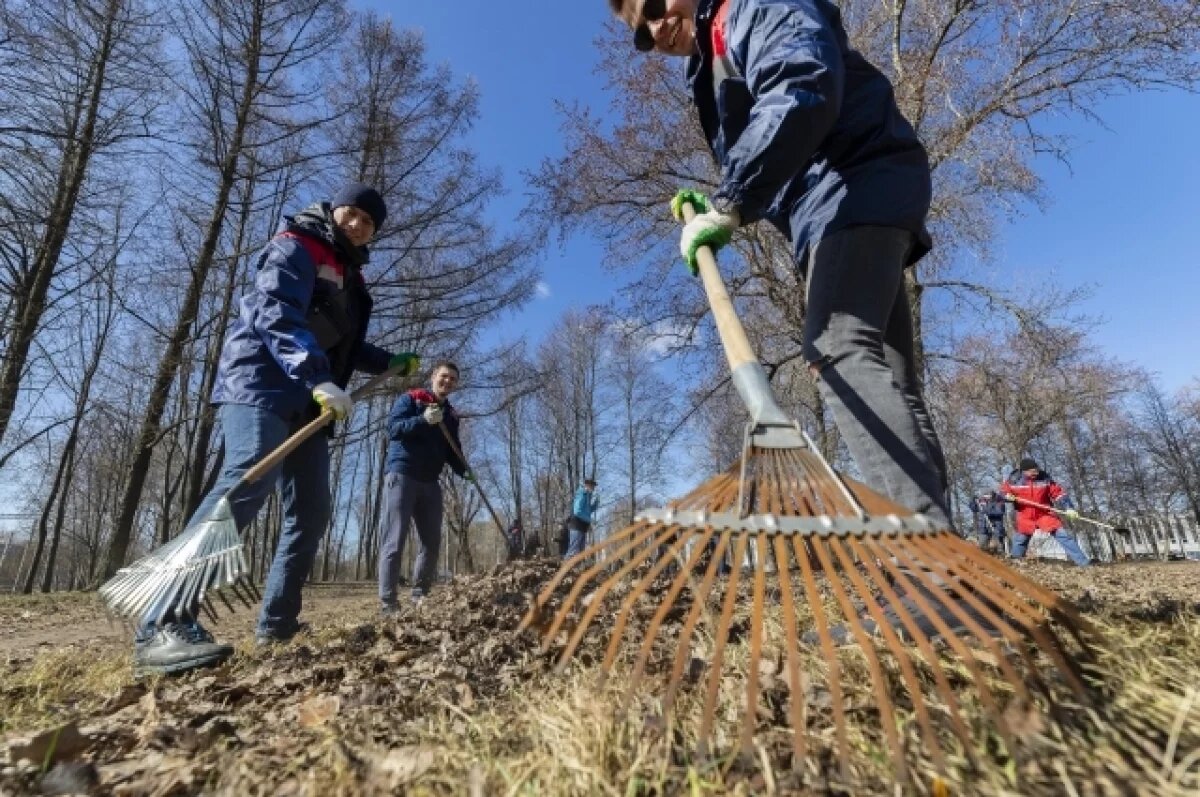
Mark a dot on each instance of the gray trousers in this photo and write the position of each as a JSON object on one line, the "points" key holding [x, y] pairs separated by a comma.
{"points": [[858, 336], [409, 501]]}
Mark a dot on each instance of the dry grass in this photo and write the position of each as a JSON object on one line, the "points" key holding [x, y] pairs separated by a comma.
{"points": [[451, 701]]}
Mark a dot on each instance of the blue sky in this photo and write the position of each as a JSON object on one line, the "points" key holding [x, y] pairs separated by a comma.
{"points": [[1123, 219]]}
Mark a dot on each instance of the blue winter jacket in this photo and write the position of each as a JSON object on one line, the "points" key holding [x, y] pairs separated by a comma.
{"points": [[417, 448], [584, 505], [302, 323], [806, 132]]}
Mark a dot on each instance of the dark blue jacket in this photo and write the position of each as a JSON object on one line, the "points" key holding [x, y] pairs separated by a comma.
{"points": [[416, 448], [303, 323], [991, 504], [806, 132]]}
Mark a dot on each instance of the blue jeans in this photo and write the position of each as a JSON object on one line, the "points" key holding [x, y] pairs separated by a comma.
{"points": [[577, 530], [409, 501], [1065, 538], [250, 433], [858, 338]]}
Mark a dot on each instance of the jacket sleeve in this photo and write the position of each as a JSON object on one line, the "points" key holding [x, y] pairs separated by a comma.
{"points": [[372, 359], [403, 421], [1059, 497], [282, 293], [790, 55]]}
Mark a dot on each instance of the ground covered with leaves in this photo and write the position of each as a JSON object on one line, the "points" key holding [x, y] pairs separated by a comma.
{"points": [[449, 698]]}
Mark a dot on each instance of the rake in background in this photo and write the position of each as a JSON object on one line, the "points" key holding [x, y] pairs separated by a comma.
{"points": [[206, 558], [909, 594]]}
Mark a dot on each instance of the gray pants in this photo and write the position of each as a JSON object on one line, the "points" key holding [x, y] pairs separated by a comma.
{"points": [[407, 500], [858, 335]]}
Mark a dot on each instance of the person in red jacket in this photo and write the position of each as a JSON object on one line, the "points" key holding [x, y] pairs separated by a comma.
{"points": [[1029, 485]]}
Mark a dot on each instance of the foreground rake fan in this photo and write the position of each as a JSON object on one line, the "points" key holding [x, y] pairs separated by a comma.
{"points": [[207, 557], [920, 605]]}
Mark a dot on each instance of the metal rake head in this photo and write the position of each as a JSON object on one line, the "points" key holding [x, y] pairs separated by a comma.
{"points": [[180, 578], [915, 609]]}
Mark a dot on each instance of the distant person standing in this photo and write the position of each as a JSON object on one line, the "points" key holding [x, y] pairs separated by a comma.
{"points": [[1029, 485], [988, 509], [417, 453], [583, 509]]}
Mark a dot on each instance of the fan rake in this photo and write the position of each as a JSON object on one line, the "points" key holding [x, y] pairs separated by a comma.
{"points": [[926, 611], [207, 558]]}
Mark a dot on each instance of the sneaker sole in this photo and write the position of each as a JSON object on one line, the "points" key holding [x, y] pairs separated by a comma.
{"points": [[180, 666]]}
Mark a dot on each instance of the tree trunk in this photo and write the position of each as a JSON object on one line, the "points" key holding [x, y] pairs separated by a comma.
{"points": [[76, 160], [169, 364]]}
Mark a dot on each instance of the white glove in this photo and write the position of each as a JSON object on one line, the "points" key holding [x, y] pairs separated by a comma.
{"points": [[433, 414], [333, 398], [711, 229]]}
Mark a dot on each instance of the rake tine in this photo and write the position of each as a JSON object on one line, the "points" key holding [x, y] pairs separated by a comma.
{"points": [[623, 614], [665, 606], [757, 620], [1033, 627], [720, 637], [945, 691], [220, 593], [897, 648], [645, 534], [206, 608], [689, 625], [886, 711], [987, 585], [252, 588], [828, 652], [796, 696], [597, 597], [544, 596], [1016, 638]]}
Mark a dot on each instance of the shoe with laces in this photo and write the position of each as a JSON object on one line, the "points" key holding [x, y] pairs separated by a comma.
{"points": [[176, 648]]}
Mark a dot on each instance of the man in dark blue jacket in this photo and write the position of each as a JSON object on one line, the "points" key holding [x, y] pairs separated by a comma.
{"points": [[299, 335], [808, 137], [417, 452], [988, 509]]}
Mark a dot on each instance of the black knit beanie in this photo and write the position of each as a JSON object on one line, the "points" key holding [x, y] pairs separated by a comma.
{"points": [[1027, 464], [365, 198]]}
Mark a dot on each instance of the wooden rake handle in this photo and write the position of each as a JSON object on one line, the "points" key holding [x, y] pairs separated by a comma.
{"points": [[458, 453], [264, 466], [729, 326], [1048, 508]]}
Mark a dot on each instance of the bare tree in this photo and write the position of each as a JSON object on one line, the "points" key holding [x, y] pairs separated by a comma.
{"points": [[77, 80]]}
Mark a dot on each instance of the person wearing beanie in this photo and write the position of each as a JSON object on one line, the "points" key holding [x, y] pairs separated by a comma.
{"points": [[299, 335], [1029, 485]]}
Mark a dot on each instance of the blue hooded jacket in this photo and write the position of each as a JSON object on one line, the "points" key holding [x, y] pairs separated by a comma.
{"points": [[805, 130], [416, 448], [303, 322], [584, 505]]}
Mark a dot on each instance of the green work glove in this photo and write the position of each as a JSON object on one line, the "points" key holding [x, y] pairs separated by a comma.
{"points": [[1071, 514], [408, 362], [696, 199], [469, 476], [710, 228]]}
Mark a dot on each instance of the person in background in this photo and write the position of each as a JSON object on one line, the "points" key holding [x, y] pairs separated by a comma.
{"points": [[583, 509], [417, 453], [988, 509], [1029, 485]]}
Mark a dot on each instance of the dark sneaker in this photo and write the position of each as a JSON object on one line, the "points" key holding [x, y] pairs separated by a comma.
{"points": [[176, 648], [389, 611], [268, 638]]}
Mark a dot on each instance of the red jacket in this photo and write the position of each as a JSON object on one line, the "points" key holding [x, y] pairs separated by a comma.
{"points": [[1042, 490]]}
